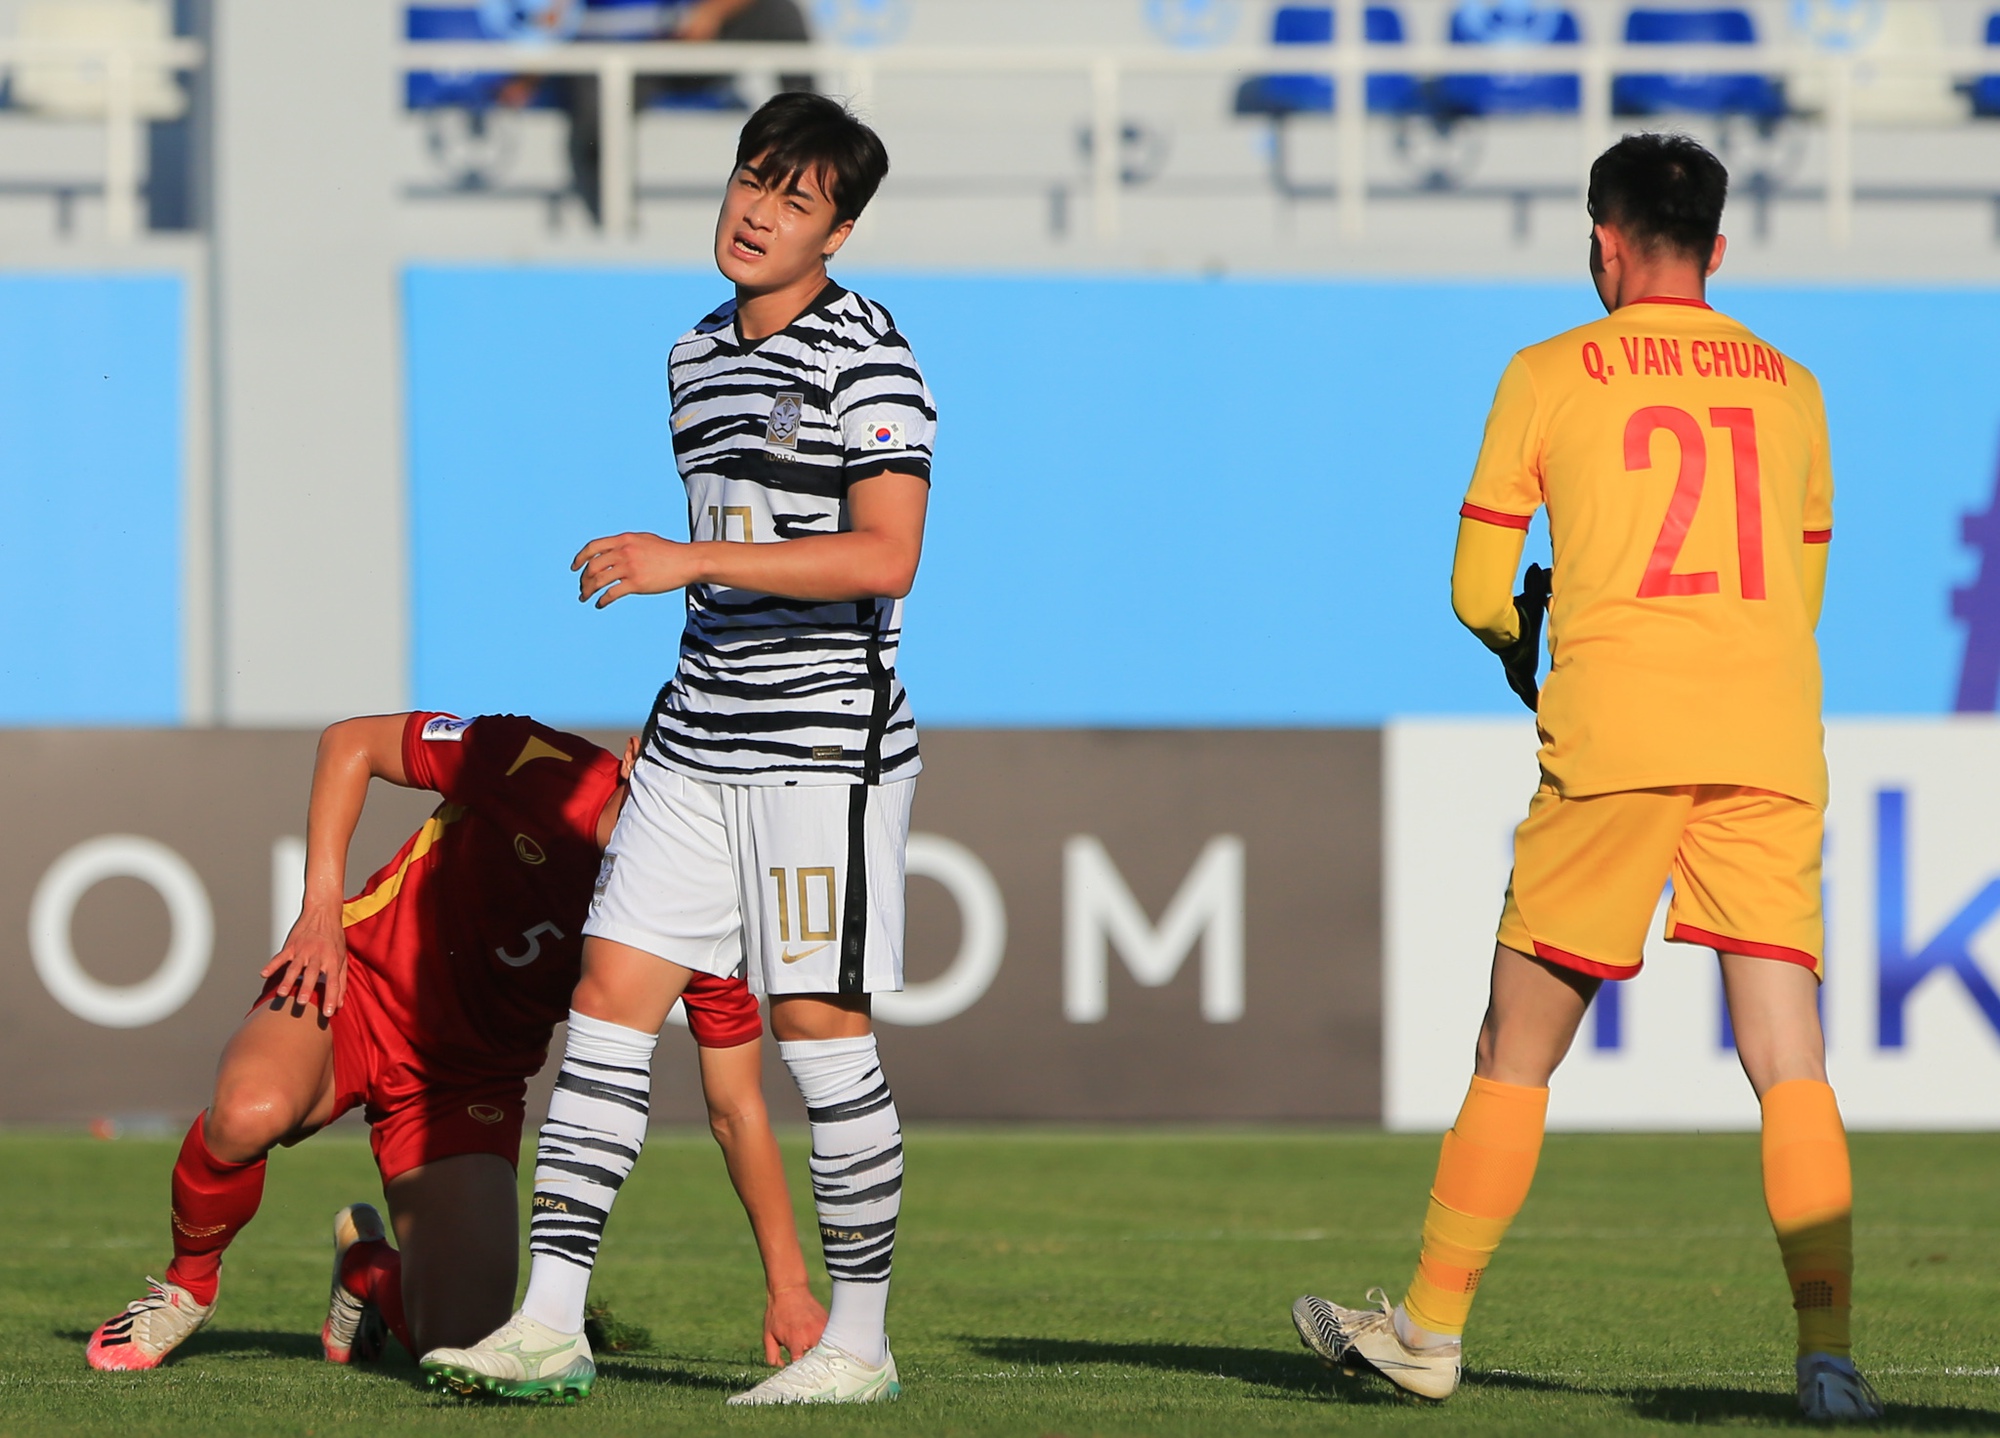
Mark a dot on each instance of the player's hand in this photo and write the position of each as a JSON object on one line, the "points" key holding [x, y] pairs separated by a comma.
{"points": [[1521, 658], [314, 956], [622, 564], [631, 760], [793, 1322]]}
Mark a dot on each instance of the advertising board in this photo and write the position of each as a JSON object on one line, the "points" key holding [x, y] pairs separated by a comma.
{"points": [[1912, 885], [1103, 925]]}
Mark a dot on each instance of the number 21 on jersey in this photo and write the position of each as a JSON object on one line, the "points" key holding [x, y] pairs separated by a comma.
{"points": [[1740, 424]]}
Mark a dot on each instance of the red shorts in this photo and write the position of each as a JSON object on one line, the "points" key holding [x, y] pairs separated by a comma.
{"points": [[416, 1118], [721, 1013]]}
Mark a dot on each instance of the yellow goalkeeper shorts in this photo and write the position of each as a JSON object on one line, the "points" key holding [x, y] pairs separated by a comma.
{"points": [[1745, 866]]}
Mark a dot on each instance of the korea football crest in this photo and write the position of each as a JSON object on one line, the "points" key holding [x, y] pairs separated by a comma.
{"points": [[783, 426]]}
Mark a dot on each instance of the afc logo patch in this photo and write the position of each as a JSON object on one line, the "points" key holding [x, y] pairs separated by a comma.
{"points": [[528, 851], [783, 426], [486, 1113]]}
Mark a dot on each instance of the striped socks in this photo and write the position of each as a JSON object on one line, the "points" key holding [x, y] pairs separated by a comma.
{"points": [[589, 1142], [857, 1173]]}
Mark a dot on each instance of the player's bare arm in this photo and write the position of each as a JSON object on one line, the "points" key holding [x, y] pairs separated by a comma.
{"points": [[351, 753], [732, 1084], [876, 559]]}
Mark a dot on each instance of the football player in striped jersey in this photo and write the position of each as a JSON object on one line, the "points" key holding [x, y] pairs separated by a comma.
{"points": [[771, 802]]}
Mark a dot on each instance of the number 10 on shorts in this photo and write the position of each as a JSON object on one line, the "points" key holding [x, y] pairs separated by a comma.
{"points": [[815, 891]]}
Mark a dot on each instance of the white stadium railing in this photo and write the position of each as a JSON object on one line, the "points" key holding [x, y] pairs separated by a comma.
{"points": [[112, 80], [616, 66], [128, 69]]}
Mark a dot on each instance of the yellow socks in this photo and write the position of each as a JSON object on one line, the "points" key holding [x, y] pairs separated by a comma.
{"points": [[1810, 1194], [1483, 1174]]}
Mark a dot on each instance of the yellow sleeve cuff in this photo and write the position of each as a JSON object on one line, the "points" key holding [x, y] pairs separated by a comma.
{"points": [[1482, 580], [1815, 577]]}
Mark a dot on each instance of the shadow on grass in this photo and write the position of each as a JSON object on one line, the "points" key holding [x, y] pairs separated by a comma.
{"points": [[666, 1372], [1295, 1373], [394, 1366], [1690, 1403], [231, 1343], [1701, 1403]]}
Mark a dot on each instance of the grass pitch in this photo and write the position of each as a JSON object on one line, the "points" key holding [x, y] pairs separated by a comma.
{"points": [[1070, 1283]]}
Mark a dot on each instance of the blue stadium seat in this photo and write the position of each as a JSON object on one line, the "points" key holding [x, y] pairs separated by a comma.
{"points": [[1510, 22], [1985, 90], [430, 90], [1694, 94], [1282, 95]]}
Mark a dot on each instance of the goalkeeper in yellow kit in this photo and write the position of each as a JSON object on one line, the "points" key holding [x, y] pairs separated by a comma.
{"points": [[1684, 465]]}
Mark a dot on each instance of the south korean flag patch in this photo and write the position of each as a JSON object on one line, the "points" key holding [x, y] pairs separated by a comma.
{"points": [[444, 729], [884, 434]]}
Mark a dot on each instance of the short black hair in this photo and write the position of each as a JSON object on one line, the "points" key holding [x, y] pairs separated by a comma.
{"points": [[798, 133], [1662, 191]]}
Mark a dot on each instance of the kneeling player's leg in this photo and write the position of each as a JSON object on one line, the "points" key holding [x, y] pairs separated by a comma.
{"points": [[457, 1227], [274, 1085], [857, 1159]]}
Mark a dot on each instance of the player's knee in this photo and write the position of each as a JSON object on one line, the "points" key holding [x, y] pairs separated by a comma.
{"points": [[248, 1119], [729, 1120]]}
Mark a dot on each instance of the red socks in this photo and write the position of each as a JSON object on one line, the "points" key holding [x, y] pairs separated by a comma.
{"points": [[212, 1202], [373, 1272]]}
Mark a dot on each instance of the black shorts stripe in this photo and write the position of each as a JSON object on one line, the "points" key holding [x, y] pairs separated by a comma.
{"points": [[854, 928]]}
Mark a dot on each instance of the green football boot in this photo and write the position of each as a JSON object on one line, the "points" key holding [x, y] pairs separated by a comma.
{"points": [[524, 1359]]}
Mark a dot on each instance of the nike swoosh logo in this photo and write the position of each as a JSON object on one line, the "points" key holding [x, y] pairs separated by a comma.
{"points": [[791, 958]]}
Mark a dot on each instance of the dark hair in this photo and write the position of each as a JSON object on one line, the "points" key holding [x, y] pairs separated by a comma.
{"points": [[799, 133], [1662, 191]]}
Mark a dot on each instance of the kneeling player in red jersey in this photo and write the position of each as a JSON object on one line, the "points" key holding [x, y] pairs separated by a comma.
{"points": [[429, 1001]]}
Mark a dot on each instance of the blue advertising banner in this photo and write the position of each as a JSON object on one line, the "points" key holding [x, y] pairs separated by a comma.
{"points": [[1158, 501], [90, 499]]}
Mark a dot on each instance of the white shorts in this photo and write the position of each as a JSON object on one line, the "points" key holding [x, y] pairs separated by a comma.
{"points": [[797, 887]]}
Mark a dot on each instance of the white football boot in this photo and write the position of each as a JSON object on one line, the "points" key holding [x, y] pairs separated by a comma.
{"points": [[1830, 1391], [353, 1328], [523, 1359], [826, 1375], [1367, 1337], [148, 1330]]}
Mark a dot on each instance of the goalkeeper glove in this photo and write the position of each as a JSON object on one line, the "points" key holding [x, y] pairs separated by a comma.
{"points": [[1521, 658]]}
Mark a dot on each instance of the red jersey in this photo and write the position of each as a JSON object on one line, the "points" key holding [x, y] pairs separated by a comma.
{"points": [[470, 940]]}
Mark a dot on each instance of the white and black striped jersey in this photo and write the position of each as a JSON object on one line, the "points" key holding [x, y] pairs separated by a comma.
{"points": [[768, 435]]}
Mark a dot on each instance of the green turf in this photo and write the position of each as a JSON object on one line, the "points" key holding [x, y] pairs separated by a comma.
{"points": [[1071, 1283]]}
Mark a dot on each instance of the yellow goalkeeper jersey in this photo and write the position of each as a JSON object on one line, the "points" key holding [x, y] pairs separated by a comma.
{"points": [[1684, 465]]}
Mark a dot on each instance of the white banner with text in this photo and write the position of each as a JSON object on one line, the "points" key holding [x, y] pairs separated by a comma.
{"points": [[1911, 1001]]}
